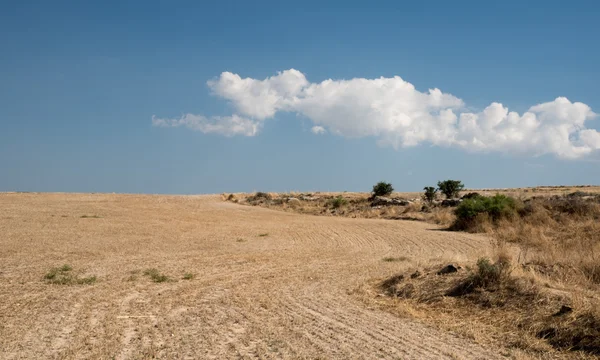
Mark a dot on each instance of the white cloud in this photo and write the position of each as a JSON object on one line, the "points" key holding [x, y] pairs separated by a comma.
{"points": [[222, 125], [396, 114], [318, 130]]}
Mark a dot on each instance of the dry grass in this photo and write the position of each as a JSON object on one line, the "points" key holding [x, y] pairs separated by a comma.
{"points": [[559, 236], [554, 246], [494, 303]]}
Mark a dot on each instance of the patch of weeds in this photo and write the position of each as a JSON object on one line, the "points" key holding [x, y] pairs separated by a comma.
{"points": [[156, 276], [338, 202], [394, 259], [64, 276], [87, 280], [241, 240], [188, 276], [263, 234], [66, 267], [91, 216]]}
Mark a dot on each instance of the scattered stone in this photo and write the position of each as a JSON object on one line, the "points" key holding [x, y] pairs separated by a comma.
{"points": [[451, 202], [384, 201], [309, 198], [448, 269]]}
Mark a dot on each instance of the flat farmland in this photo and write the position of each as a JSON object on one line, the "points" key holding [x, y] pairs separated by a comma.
{"points": [[142, 276]]}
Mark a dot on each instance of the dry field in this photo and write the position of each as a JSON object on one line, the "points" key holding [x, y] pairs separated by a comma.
{"points": [[538, 291], [231, 281]]}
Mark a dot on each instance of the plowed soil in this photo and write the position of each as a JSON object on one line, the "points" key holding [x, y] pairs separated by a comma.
{"points": [[266, 284]]}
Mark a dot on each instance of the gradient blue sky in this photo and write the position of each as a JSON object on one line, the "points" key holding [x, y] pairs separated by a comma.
{"points": [[81, 80]]}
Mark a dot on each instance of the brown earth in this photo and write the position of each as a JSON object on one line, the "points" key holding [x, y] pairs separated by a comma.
{"points": [[266, 284]]}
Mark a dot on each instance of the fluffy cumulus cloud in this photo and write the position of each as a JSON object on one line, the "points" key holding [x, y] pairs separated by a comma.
{"points": [[396, 114]]}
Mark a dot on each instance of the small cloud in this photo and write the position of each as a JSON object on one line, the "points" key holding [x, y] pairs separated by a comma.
{"points": [[222, 125], [318, 130]]}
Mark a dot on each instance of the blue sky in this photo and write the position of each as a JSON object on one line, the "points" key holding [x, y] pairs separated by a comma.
{"points": [[80, 82]]}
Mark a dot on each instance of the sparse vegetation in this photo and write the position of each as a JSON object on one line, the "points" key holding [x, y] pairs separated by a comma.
{"points": [[263, 234], [156, 276], [382, 188], [64, 276], [450, 188], [515, 309], [90, 217]]}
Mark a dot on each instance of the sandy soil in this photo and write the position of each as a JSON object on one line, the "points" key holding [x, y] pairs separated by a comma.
{"points": [[294, 292]]}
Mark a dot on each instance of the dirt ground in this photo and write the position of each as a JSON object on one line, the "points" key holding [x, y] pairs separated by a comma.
{"points": [[266, 284]]}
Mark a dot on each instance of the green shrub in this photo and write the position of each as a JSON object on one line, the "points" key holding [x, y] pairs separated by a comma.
{"points": [[450, 188], [382, 189], [495, 208], [338, 202], [430, 194]]}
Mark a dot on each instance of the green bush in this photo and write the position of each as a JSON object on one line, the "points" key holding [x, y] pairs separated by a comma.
{"points": [[262, 195], [495, 208], [338, 202], [430, 194], [450, 188], [382, 189]]}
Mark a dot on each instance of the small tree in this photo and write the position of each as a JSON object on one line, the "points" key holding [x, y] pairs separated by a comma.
{"points": [[450, 188], [382, 189], [430, 194]]}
